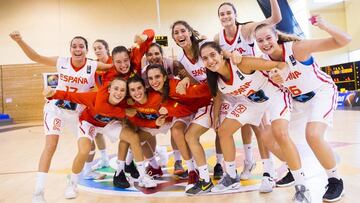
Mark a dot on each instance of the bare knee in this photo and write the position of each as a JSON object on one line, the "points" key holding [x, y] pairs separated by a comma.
{"points": [[223, 132], [281, 135], [191, 139]]}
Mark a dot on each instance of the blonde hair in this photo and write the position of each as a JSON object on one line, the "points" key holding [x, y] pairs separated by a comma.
{"points": [[282, 37]]}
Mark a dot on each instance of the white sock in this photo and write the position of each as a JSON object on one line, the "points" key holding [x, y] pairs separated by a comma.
{"points": [[129, 157], [190, 165], [153, 163], [269, 167], [219, 158], [74, 178], [204, 173], [230, 168], [177, 155], [104, 155], [332, 173], [194, 163], [87, 168], [140, 167], [40, 181], [120, 166], [248, 152], [299, 176]]}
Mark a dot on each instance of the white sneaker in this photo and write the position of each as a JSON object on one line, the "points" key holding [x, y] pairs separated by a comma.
{"points": [[71, 190], [302, 194], [248, 167], [102, 163], [147, 182], [38, 197], [92, 175], [267, 184]]}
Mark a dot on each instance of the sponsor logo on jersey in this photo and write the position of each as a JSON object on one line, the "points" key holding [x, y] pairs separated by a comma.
{"points": [[239, 40], [293, 75], [73, 79], [292, 59], [88, 69], [242, 89], [241, 76]]}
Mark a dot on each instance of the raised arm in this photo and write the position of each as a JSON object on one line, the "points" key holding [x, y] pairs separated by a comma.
{"points": [[338, 38], [29, 52], [85, 98], [275, 18], [249, 64], [142, 44]]}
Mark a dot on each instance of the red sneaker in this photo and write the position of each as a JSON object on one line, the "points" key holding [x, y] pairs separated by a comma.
{"points": [[193, 177], [154, 172]]}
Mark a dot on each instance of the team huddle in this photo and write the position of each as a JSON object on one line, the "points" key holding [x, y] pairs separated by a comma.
{"points": [[218, 84]]}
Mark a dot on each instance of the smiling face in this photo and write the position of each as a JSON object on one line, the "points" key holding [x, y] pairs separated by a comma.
{"points": [[212, 59], [117, 91], [227, 15], [137, 91], [121, 62], [100, 50], [156, 79], [154, 56], [181, 35], [78, 49], [266, 40]]}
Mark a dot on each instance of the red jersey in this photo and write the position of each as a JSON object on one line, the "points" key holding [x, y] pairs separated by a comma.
{"points": [[150, 110], [107, 113], [135, 60], [99, 81], [196, 96]]}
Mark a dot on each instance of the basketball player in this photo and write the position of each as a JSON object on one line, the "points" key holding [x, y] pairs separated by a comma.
{"points": [[237, 36], [76, 75], [312, 91]]}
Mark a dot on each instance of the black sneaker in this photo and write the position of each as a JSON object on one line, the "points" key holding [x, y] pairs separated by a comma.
{"points": [[132, 170], [200, 187], [120, 180], [218, 171], [183, 176], [286, 181], [334, 190]]}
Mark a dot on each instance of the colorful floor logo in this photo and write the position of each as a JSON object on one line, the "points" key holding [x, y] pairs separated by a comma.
{"points": [[168, 185]]}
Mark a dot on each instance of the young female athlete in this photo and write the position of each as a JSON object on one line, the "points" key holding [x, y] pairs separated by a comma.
{"points": [[235, 36], [313, 92], [106, 121], [196, 96], [76, 74], [250, 93]]}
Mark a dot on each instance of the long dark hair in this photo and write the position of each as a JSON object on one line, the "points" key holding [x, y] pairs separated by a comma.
{"points": [[282, 37], [195, 37], [235, 12], [135, 79], [212, 77], [166, 87]]}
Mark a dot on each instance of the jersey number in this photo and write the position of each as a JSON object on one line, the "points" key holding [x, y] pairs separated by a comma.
{"points": [[294, 90], [71, 89]]}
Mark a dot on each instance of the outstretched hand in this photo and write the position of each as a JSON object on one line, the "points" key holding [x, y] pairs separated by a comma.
{"points": [[15, 35]]}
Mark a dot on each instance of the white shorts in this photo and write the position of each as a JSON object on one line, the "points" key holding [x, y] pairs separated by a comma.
{"points": [[280, 105], [57, 119], [162, 130], [203, 116], [187, 120], [320, 108], [246, 111], [112, 130]]}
